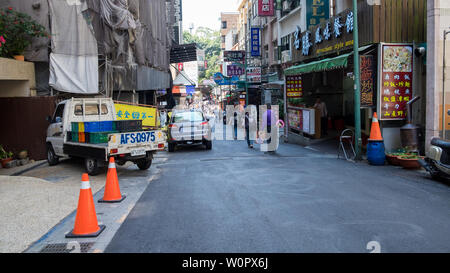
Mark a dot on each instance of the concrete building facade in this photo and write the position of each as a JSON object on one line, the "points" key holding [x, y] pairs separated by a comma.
{"points": [[438, 21]]}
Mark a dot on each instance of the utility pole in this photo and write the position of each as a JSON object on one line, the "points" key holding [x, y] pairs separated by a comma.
{"points": [[246, 57], [357, 77]]}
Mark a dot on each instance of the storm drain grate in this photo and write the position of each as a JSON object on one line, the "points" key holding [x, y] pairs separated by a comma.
{"points": [[64, 248]]}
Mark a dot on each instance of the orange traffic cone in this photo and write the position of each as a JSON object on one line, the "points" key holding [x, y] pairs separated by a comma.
{"points": [[112, 190], [375, 132], [86, 224]]}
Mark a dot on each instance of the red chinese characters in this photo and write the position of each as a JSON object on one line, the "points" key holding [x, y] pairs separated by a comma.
{"points": [[265, 8], [396, 92]]}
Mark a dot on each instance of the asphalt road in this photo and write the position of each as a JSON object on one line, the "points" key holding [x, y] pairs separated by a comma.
{"points": [[233, 199]]}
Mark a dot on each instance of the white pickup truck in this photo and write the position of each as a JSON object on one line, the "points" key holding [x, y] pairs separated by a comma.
{"points": [[137, 147]]}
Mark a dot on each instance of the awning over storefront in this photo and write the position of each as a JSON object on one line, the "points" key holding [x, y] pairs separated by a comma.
{"points": [[179, 90], [273, 85], [322, 65]]}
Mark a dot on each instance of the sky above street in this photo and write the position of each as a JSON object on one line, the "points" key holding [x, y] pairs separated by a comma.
{"points": [[206, 13]]}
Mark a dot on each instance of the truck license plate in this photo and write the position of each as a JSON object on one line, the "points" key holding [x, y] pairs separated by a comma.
{"points": [[137, 152]]}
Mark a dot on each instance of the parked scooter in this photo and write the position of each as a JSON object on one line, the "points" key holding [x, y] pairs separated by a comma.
{"points": [[437, 163]]}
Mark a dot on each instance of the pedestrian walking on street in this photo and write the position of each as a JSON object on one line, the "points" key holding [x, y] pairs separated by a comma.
{"points": [[267, 121], [248, 120]]}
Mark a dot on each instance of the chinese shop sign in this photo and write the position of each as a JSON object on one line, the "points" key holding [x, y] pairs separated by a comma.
{"points": [[265, 8], [294, 87], [234, 70], [234, 56], [327, 37], [367, 80], [396, 81], [133, 112], [254, 74], [255, 46], [220, 79], [317, 11]]}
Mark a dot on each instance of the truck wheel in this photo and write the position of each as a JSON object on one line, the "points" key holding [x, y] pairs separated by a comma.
{"points": [[171, 147], [52, 158], [144, 164], [91, 166]]}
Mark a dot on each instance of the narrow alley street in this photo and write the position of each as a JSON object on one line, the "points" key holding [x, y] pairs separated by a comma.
{"points": [[234, 199]]}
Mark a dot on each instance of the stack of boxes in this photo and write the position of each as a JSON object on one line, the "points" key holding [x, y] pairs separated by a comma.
{"points": [[97, 132]]}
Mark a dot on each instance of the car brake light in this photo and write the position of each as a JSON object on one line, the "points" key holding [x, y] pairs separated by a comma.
{"points": [[161, 146], [122, 155], [204, 123], [172, 125], [114, 151]]}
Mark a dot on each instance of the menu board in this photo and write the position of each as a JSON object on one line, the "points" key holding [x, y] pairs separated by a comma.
{"points": [[295, 119], [396, 81], [367, 80], [294, 87]]}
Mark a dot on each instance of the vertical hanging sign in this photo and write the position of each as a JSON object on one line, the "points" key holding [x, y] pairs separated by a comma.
{"points": [[255, 45], [395, 80], [367, 80], [265, 8]]}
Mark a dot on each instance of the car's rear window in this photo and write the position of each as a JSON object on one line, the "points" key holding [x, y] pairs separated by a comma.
{"points": [[188, 117], [91, 109]]}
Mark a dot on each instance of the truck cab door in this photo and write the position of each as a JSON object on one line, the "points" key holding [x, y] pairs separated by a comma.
{"points": [[55, 131]]}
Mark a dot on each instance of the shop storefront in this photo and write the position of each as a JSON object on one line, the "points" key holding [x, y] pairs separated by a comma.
{"points": [[323, 58]]}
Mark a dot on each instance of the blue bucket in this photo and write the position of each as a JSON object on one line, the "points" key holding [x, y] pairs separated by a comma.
{"points": [[376, 153]]}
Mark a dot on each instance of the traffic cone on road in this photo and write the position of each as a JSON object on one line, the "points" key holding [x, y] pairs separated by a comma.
{"points": [[112, 190], [375, 132], [86, 224], [375, 148]]}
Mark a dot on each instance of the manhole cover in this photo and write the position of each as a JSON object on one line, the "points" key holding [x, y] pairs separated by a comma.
{"points": [[74, 247]]}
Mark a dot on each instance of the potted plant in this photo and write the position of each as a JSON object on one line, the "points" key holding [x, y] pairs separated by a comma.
{"points": [[410, 161], [393, 156], [5, 157], [18, 29]]}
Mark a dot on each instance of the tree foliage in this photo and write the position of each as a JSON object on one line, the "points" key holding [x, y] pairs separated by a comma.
{"points": [[209, 41]]}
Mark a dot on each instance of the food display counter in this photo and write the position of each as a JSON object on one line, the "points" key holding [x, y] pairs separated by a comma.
{"points": [[304, 120]]}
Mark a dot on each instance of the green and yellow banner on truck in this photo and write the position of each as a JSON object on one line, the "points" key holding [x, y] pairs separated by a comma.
{"points": [[148, 114]]}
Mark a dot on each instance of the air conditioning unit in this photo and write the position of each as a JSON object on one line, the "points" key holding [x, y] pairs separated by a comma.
{"points": [[286, 6]]}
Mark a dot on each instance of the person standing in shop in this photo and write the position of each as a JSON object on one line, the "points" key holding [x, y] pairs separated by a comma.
{"points": [[322, 108]]}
